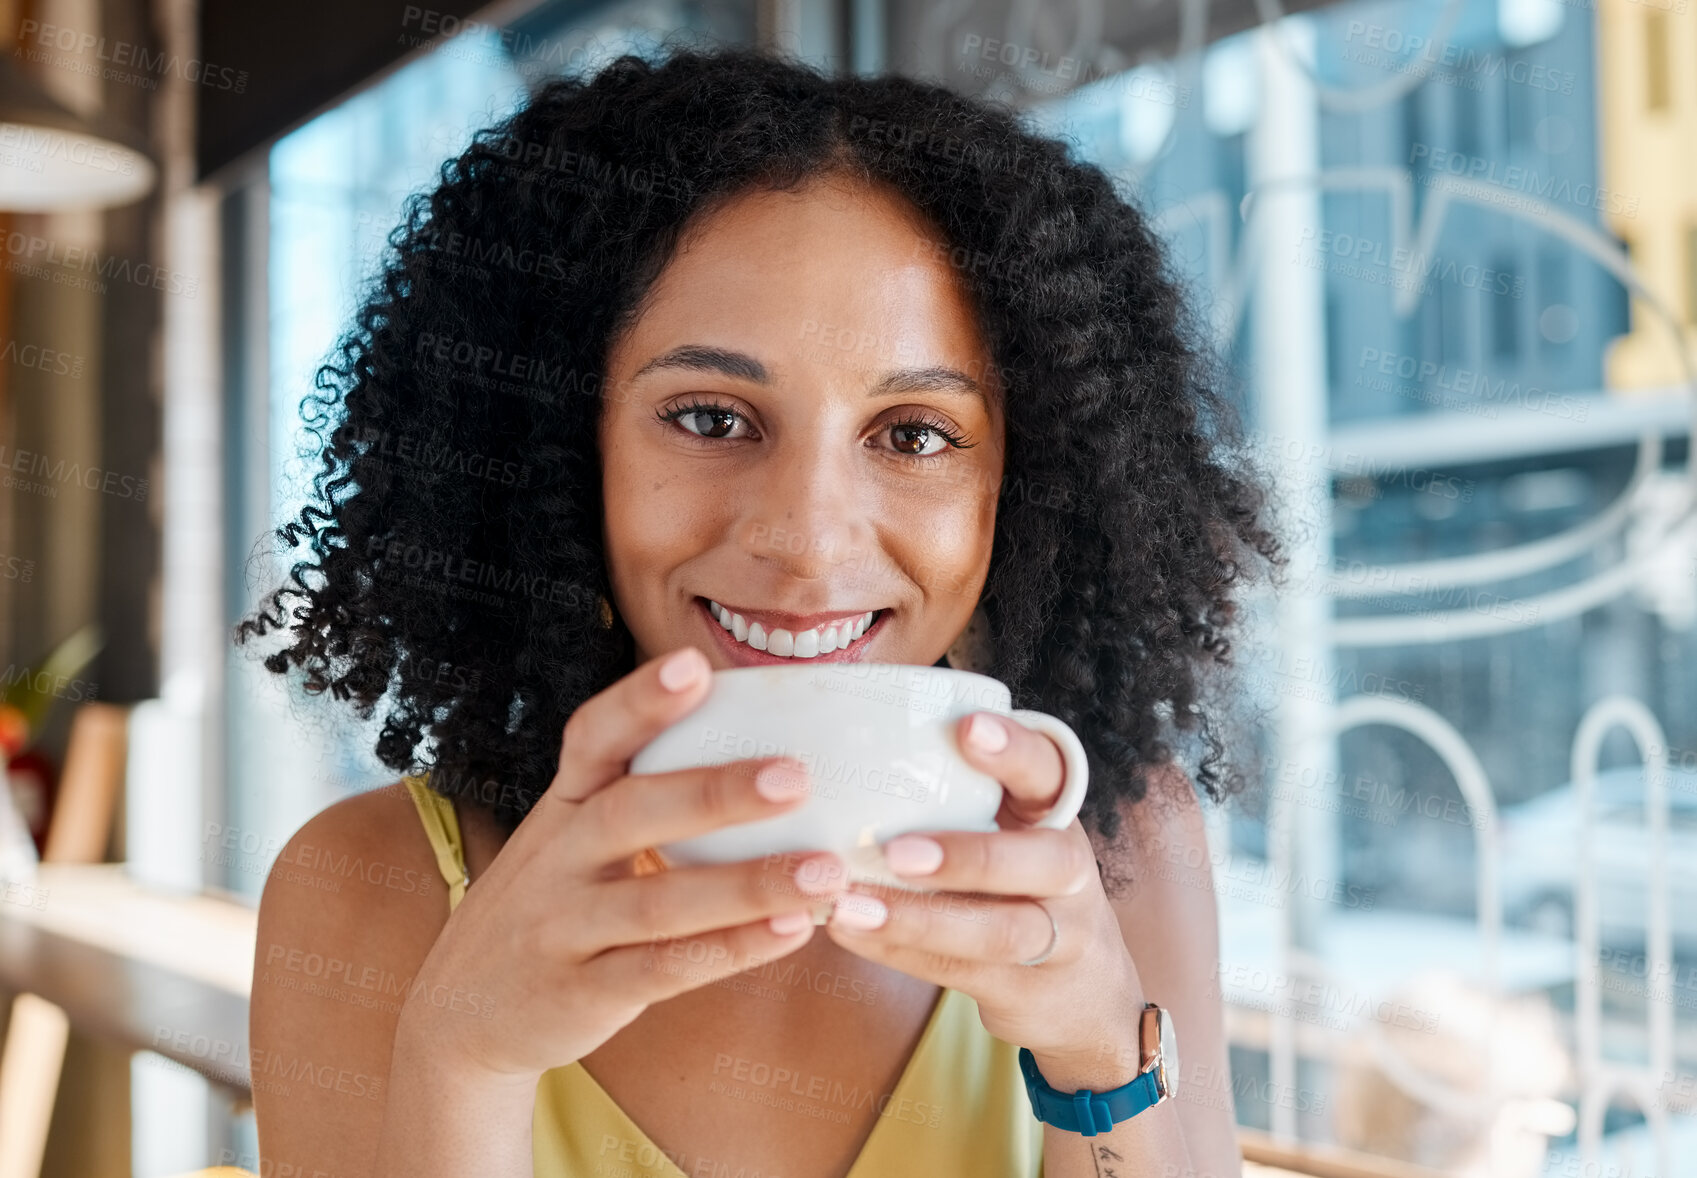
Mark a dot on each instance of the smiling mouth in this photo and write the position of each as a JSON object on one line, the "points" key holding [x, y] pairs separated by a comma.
{"points": [[840, 634]]}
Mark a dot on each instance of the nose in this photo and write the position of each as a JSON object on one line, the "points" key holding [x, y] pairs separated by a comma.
{"points": [[806, 508]]}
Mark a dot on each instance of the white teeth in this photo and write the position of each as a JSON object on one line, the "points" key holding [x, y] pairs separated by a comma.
{"points": [[785, 644]]}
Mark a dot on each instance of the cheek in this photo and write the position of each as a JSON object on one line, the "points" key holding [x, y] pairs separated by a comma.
{"points": [[943, 542], [644, 519]]}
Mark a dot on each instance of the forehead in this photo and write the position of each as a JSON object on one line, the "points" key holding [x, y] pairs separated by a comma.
{"points": [[834, 265]]}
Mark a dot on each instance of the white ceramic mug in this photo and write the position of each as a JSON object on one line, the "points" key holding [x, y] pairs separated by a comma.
{"points": [[878, 741]]}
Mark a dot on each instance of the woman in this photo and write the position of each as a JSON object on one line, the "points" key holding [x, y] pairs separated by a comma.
{"points": [[712, 335]]}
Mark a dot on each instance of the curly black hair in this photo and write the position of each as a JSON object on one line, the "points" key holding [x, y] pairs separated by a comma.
{"points": [[456, 517]]}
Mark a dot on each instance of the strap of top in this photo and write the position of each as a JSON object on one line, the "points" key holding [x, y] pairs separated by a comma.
{"points": [[442, 826]]}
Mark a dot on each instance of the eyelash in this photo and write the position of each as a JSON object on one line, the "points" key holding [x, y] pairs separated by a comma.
{"points": [[956, 441]]}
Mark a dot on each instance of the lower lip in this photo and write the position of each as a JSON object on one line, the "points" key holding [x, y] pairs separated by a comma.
{"points": [[744, 655]]}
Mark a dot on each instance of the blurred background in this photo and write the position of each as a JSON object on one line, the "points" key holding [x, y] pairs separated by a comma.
{"points": [[1450, 248]]}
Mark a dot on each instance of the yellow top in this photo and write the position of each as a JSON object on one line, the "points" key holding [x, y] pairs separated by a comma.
{"points": [[959, 1107]]}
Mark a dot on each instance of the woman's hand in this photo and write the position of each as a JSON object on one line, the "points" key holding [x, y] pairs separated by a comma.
{"points": [[560, 932], [1078, 1011]]}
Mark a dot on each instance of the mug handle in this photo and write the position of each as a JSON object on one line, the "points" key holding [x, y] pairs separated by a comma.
{"points": [[1077, 766]]}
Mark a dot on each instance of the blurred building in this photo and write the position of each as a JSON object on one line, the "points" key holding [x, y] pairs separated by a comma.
{"points": [[1467, 337], [1647, 92]]}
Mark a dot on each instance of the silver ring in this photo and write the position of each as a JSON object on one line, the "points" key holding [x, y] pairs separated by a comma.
{"points": [[1054, 938]]}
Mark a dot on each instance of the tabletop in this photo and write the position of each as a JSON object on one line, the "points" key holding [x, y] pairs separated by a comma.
{"points": [[147, 969]]}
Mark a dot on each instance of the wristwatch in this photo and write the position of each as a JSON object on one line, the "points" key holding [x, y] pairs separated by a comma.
{"points": [[1090, 1113]]}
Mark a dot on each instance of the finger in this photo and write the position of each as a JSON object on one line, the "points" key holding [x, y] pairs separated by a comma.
{"points": [[693, 901], [654, 971], [1030, 862], [652, 809], [1027, 763], [944, 930], [613, 725]]}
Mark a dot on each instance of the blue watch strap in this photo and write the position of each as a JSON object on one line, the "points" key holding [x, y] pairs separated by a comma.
{"points": [[1084, 1111]]}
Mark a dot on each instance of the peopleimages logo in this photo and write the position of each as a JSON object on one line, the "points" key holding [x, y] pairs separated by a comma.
{"points": [[41, 682], [35, 39], [1471, 65], [1467, 382], [1553, 188], [37, 253], [1065, 71], [48, 360], [40, 466], [1401, 266], [1349, 463], [42, 145], [439, 458], [427, 564], [483, 253]]}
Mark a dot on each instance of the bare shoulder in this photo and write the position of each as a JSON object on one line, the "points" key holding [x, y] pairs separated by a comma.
{"points": [[362, 866], [351, 908]]}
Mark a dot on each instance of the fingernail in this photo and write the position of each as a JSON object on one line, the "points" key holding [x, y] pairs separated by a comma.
{"points": [[913, 854], [682, 669], [986, 733], [780, 781], [789, 922], [855, 910]]}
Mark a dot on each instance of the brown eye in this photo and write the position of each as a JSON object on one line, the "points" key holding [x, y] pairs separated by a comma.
{"points": [[921, 437], [703, 419], [722, 423], [913, 439]]}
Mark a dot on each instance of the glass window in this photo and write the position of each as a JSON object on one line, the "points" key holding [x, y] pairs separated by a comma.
{"points": [[1556, 314], [1476, 608], [1505, 315]]}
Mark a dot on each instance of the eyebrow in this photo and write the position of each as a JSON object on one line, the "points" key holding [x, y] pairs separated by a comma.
{"points": [[742, 366], [700, 358]]}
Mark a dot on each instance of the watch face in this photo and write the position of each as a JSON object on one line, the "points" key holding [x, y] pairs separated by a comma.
{"points": [[1169, 1055], [1160, 1049]]}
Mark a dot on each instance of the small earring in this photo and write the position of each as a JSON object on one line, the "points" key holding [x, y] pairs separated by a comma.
{"points": [[606, 613], [974, 649]]}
